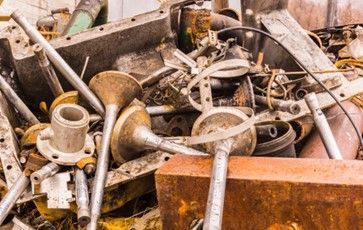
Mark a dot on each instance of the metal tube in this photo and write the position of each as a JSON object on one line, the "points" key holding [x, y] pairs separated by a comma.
{"points": [[9, 200], [102, 166], [285, 106], [266, 130], [82, 197], [214, 211], [48, 71], [323, 127], [46, 171], [15, 100], [59, 62], [160, 109]]}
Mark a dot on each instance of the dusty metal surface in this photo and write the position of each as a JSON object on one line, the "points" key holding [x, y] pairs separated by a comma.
{"points": [[313, 194]]}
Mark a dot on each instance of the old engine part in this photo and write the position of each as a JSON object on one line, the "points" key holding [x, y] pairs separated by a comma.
{"points": [[82, 197], [132, 134], [116, 90], [284, 106], [46, 171], [321, 123], [66, 142], [266, 131], [280, 146]]}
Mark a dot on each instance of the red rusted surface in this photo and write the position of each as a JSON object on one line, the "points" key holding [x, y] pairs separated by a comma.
{"points": [[265, 193], [343, 131]]}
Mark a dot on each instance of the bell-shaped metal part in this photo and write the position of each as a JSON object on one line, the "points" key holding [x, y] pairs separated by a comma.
{"points": [[132, 134], [115, 89]]}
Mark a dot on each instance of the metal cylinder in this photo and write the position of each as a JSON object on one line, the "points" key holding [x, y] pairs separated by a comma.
{"points": [[9, 200], [323, 127], [48, 71], [66, 141], [46, 171], [15, 100], [82, 198], [102, 166], [285, 106], [266, 130], [217, 188], [58, 62]]}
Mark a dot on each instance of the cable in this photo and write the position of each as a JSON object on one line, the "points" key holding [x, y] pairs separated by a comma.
{"points": [[303, 67]]}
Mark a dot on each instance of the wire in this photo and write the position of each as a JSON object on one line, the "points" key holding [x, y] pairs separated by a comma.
{"points": [[303, 67]]}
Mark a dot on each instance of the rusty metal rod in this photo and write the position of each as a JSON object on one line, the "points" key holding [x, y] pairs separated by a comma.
{"points": [[15, 100], [285, 106], [323, 127], [59, 62], [48, 71]]}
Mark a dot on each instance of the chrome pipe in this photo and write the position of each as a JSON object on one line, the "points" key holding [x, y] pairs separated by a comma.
{"points": [[9, 200], [48, 71], [321, 123], [46, 171], [82, 197], [217, 188], [58, 62], [15, 100]]}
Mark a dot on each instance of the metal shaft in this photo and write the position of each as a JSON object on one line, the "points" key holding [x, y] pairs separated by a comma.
{"points": [[266, 131], [214, 211], [46, 171], [285, 106], [82, 198], [148, 139], [58, 62], [15, 100], [102, 166], [9, 200], [48, 71], [323, 127]]}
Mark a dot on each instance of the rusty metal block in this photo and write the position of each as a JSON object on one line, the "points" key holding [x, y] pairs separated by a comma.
{"points": [[265, 193]]}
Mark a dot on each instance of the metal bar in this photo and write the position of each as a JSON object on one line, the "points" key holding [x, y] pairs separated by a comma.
{"points": [[15, 100], [48, 71], [82, 197], [323, 127], [59, 62], [46, 171], [8, 202], [285, 106]]}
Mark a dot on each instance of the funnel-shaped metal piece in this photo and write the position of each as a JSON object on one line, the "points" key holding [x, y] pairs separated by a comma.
{"points": [[132, 134], [115, 89]]}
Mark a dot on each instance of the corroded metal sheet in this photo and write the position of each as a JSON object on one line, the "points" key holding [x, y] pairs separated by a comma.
{"points": [[265, 193]]}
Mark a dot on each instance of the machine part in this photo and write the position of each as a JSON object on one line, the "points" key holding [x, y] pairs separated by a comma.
{"points": [[307, 192], [280, 146], [178, 126], [70, 97], [302, 127], [266, 131], [66, 142], [83, 16], [29, 139], [244, 143], [323, 127], [48, 71], [56, 188], [20, 225], [82, 197], [46, 171], [58, 62], [132, 134], [86, 161], [15, 100], [34, 162], [11, 197], [9, 152], [300, 93], [285, 106], [343, 133], [116, 90]]}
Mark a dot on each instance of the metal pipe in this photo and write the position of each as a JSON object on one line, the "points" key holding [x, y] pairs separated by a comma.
{"points": [[285, 106], [323, 127], [218, 5], [46, 171], [217, 188], [59, 62], [9, 200], [48, 71], [266, 130], [82, 197], [103, 160], [15, 100]]}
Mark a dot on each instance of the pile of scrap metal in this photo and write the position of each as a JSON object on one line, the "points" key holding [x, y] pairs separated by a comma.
{"points": [[190, 93]]}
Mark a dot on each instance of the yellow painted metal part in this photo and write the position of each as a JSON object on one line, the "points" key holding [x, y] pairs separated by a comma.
{"points": [[30, 136], [70, 97], [49, 214], [88, 160], [117, 223]]}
